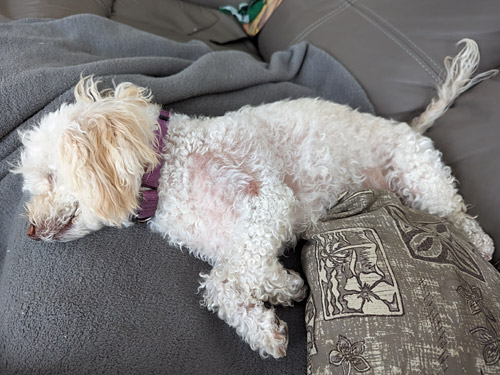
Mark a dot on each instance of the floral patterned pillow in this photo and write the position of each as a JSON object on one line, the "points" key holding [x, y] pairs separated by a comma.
{"points": [[397, 291]]}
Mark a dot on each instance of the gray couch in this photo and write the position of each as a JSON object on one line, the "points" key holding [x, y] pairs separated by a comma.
{"points": [[394, 49]]}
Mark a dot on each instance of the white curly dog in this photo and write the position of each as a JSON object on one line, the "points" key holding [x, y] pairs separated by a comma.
{"points": [[236, 189]]}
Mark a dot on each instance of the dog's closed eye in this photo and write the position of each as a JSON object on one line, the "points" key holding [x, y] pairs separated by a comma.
{"points": [[39, 181], [50, 178]]}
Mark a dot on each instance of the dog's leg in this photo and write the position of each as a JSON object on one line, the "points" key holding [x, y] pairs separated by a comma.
{"points": [[252, 274], [267, 229], [239, 218], [227, 291], [242, 234], [417, 174]]}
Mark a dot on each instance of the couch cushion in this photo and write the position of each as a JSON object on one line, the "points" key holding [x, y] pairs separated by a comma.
{"points": [[395, 48], [397, 291]]}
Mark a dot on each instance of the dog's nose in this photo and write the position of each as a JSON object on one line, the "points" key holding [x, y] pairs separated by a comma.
{"points": [[31, 232]]}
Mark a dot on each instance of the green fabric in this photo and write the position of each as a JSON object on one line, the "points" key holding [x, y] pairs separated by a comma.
{"points": [[246, 12]]}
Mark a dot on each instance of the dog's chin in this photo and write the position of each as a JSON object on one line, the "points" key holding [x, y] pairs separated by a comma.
{"points": [[68, 235], [65, 235], [74, 230]]}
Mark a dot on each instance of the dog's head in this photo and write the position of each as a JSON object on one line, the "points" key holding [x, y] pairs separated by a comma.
{"points": [[83, 163]]}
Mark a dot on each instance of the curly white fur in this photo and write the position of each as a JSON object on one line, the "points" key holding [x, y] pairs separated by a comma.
{"points": [[459, 71], [235, 189]]}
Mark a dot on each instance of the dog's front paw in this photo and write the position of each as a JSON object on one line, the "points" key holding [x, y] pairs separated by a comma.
{"points": [[277, 339]]}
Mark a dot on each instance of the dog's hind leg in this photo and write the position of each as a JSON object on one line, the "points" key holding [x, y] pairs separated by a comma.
{"points": [[418, 176]]}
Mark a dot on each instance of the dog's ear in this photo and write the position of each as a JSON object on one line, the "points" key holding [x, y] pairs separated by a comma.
{"points": [[86, 91], [129, 91], [104, 153]]}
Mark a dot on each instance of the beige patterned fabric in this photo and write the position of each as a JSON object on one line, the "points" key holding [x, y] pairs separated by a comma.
{"points": [[397, 291]]}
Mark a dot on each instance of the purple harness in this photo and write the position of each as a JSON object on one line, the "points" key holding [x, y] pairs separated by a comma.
{"points": [[150, 181]]}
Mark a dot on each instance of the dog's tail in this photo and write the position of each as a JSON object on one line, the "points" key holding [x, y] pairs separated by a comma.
{"points": [[459, 71]]}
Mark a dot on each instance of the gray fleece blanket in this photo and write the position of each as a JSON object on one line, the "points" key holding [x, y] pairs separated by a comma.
{"points": [[123, 301]]}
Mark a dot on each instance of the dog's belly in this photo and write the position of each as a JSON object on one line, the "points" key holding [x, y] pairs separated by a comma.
{"points": [[316, 148]]}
